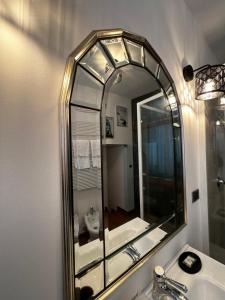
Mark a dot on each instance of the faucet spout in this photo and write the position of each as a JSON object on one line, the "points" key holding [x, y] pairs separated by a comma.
{"points": [[164, 286], [176, 284], [175, 293]]}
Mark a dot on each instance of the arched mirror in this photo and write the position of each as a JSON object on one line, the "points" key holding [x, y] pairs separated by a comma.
{"points": [[122, 161]]}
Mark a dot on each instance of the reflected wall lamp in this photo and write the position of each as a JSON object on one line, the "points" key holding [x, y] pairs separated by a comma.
{"points": [[209, 81]]}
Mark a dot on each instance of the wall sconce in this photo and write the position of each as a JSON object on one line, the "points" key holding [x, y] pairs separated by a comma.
{"points": [[209, 81]]}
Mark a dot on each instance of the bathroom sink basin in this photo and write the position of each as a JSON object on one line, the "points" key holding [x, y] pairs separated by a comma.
{"points": [[206, 289], [207, 284], [200, 289]]}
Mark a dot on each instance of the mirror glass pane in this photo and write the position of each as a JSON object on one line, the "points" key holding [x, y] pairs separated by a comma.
{"points": [[87, 187], [127, 168], [164, 79], [150, 63], [120, 262], [156, 158], [97, 62], [136, 52], [117, 51], [178, 154], [92, 280], [123, 221], [87, 91]]}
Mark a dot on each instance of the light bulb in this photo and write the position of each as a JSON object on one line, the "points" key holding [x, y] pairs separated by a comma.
{"points": [[209, 91], [209, 86], [217, 123], [172, 101]]}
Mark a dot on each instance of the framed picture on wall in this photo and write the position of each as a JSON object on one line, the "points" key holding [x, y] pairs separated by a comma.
{"points": [[122, 116], [109, 127]]}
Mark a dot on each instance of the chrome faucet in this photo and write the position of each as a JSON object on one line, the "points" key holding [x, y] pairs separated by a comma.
{"points": [[167, 288], [132, 251]]}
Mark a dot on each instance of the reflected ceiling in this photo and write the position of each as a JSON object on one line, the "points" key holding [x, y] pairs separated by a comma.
{"points": [[131, 82]]}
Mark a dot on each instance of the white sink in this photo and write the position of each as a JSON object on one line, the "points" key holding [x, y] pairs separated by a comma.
{"points": [[87, 253], [208, 284], [120, 262], [149, 241], [121, 235], [94, 278], [116, 265], [205, 289]]}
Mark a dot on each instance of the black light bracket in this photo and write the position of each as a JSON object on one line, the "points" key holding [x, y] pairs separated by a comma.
{"points": [[188, 72]]}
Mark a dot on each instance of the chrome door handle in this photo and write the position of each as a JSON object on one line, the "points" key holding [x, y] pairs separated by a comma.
{"points": [[219, 181]]}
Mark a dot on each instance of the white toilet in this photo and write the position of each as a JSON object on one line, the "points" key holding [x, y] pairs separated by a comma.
{"points": [[93, 223]]}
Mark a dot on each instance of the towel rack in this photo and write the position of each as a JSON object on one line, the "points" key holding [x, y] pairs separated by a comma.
{"points": [[84, 179]]}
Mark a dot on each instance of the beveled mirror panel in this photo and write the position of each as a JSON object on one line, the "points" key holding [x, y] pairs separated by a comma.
{"points": [[122, 159]]}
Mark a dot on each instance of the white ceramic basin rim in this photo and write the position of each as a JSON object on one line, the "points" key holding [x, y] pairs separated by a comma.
{"points": [[208, 284], [206, 289]]}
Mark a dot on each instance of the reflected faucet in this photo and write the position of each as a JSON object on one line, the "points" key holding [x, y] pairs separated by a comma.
{"points": [[92, 210], [135, 250], [132, 252], [164, 286]]}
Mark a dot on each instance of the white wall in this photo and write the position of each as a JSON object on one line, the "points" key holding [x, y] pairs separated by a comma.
{"points": [[122, 135], [30, 203], [35, 38], [120, 176]]}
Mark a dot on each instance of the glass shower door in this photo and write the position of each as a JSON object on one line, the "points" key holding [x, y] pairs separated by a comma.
{"points": [[141, 107], [155, 159], [215, 151]]}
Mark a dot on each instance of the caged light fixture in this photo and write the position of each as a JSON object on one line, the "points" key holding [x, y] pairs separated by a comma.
{"points": [[209, 81]]}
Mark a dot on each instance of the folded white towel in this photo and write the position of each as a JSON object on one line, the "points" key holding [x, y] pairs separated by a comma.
{"points": [[95, 148], [96, 153], [96, 162], [81, 154]]}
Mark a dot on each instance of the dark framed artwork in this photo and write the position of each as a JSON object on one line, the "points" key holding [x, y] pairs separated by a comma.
{"points": [[109, 127]]}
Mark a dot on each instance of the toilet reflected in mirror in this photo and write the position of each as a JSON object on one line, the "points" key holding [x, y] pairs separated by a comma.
{"points": [[92, 222]]}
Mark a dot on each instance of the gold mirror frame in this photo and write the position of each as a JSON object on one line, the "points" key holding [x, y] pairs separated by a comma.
{"points": [[74, 57]]}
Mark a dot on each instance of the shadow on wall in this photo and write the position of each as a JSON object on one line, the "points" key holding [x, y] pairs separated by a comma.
{"points": [[49, 23]]}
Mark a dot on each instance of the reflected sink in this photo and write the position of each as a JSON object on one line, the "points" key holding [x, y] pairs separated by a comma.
{"points": [[117, 238], [120, 262], [149, 241], [123, 234], [116, 265], [87, 254]]}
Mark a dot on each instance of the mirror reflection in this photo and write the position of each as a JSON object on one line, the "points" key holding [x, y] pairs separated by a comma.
{"points": [[126, 154], [87, 186], [123, 204]]}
